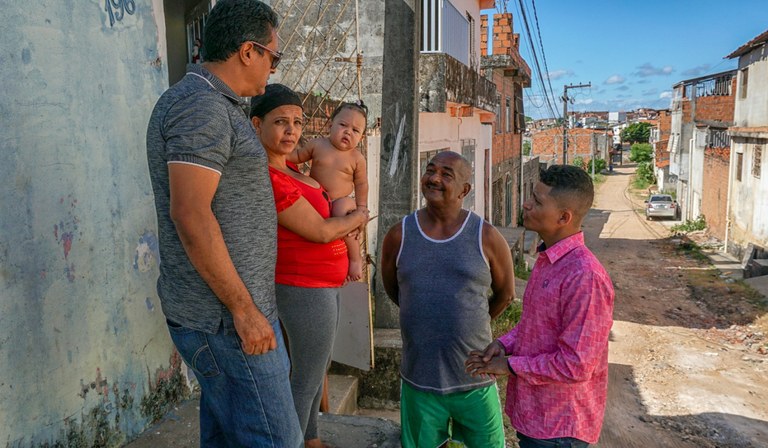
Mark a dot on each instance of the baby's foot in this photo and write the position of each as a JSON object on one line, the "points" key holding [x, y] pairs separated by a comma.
{"points": [[355, 271]]}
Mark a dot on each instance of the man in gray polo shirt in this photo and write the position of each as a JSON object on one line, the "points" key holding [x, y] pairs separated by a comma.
{"points": [[217, 229]]}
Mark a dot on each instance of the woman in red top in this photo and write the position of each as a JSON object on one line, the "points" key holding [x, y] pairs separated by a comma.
{"points": [[311, 256]]}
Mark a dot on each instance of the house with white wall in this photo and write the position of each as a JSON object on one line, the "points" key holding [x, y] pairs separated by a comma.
{"points": [[457, 104], [748, 196]]}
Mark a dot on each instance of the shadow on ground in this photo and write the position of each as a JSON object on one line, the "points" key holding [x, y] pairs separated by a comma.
{"points": [[628, 424]]}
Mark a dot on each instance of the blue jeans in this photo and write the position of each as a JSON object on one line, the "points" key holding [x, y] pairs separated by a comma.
{"points": [[245, 400], [560, 442]]}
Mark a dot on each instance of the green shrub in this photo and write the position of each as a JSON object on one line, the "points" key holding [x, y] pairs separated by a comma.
{"points": [[600, 165], [644, 175], [641, 152], [699, 223], [508, 318]]}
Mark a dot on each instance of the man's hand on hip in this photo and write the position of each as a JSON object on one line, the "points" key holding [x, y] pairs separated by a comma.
{"points": [[256, 334]]}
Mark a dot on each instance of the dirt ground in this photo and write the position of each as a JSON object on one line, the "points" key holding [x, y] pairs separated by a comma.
{"points": [[688, 346]]}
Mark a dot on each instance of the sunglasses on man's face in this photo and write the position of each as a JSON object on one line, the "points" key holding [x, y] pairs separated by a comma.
{"points": [[276, 55]]}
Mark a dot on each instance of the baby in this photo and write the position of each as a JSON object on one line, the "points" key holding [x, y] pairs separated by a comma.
{"points": [[340, 169]]}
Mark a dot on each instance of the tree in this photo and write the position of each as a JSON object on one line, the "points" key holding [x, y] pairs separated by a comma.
{"points": [[526, 148], [641, 152], [636, 133]]}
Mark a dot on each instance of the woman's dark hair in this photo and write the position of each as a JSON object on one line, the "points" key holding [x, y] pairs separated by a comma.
{"points": [[233, 22], [571, 187], [356, 106]]}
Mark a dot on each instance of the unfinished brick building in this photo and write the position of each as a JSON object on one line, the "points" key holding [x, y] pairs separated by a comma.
{"points": [[506, 68]]}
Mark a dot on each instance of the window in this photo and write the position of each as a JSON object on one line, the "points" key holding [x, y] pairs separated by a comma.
{"points": [[498, 114], [739, 164], [757, 158], [744, 82], [455, 34], [430, 26], [508, 115], [519, 115]]}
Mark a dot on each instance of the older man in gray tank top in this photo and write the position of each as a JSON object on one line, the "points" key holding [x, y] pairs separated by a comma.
{"points": [[438, 266]]}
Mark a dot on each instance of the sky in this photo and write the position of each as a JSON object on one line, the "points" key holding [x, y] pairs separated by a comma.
{"points": [[631, 52]]}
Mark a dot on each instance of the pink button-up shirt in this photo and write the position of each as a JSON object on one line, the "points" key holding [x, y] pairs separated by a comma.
{"points": [[559, 349]]}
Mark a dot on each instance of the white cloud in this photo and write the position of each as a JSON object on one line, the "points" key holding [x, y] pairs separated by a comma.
{"points": [[557, 74], [615, 79], [584, 101], [666, 94], [696, 71], [647, 69]]}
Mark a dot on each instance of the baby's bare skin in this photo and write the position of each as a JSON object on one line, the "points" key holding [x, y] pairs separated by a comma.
{"points": [[341, 170], [335, 169]]}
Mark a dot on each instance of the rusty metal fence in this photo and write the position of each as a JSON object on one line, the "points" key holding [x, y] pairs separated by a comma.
{"points": [[322, 61]]}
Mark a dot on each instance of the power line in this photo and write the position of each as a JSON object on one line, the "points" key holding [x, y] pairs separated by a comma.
{"points": [[541, 45], [548, 96]]}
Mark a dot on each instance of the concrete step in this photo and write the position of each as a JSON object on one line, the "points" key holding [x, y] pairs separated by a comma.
{"points": [[760, 284], [342, 394], [726, 263], [379, 387]]}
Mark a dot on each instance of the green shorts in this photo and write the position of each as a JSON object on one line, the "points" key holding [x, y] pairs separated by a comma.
{"points": [[473, 418]]}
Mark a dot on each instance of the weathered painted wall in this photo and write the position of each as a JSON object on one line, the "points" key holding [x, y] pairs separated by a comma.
{"points": [[749, 196], [84, 352]]}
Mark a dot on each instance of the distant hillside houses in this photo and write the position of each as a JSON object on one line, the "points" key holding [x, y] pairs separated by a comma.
{"points": [[597, 119]]}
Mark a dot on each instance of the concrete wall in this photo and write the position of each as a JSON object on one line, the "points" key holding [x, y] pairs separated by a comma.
{"points": [[85, 357], [749, 197], [399, 129], [753, 110]]}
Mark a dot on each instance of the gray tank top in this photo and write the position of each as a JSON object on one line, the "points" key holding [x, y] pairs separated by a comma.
{"points": [[443, 291]]}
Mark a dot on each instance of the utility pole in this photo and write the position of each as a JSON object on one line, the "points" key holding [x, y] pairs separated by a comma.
{"points": [[565, 99]]}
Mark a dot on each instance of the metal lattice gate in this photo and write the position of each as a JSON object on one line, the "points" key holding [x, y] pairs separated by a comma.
{"points": [[322, 62]]}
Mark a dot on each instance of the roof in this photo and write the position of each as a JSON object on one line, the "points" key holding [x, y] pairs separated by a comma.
{"points": [[746, 48]]}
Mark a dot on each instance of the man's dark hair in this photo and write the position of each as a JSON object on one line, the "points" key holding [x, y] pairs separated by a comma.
{"points": [[571, 187], [233, 22], [357, 106]]}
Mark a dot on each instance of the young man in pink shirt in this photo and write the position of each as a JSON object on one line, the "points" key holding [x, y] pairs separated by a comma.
{"points": [[557, 355]]}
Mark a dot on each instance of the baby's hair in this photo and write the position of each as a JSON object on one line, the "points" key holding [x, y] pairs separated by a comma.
{"points": [[356, 106]]}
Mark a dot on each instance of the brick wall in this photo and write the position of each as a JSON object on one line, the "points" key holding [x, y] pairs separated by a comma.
{"points": [[506, 145], [664, 125], [717, 107], [549, 142], [505, 160], [715, 190]]}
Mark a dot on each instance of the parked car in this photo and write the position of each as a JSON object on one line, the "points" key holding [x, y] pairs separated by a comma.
{"points": [[661, 205]]}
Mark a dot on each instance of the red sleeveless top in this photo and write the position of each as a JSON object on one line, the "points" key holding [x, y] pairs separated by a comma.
{"points": [[301, 262]]}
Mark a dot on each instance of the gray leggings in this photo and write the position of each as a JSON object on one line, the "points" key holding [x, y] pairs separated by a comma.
{"points": [[310, 317]]}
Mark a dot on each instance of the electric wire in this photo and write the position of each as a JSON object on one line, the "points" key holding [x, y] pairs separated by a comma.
{"points": [[548, 95], [541, 45]]}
